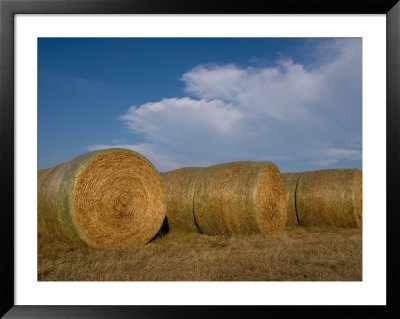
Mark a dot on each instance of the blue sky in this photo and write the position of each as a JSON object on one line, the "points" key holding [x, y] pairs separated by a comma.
{"points": [[202, 101]]}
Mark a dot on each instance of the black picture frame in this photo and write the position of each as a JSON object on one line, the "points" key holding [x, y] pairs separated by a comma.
{"points": [[8, 8]]}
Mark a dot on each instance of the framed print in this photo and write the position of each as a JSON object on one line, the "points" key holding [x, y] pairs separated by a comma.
{"points": [[185, 85]]}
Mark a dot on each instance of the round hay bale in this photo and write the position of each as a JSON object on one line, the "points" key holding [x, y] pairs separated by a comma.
{"points": [[290, 181], [43, 175], [330, 197], [179, 188], [240, 198], [111, 199]]}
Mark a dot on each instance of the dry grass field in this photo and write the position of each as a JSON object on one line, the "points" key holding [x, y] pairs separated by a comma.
{"points": [[298, 254]]}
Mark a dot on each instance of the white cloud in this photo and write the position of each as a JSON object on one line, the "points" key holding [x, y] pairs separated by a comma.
{"points": [[69, 79], [290, 112], [343, 153], [260, 91], [328, 162], [155, 118], [333, 155], [163, 163]]}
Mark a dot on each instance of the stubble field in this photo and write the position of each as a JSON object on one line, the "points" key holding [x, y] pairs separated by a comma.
{"points": [[297, 254]]}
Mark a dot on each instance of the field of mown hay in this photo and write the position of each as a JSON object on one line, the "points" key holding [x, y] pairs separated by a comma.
{"points": [[297, 254], [110, 216]]}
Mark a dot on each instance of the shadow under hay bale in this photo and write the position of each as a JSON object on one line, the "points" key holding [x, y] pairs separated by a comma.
{"points": [[111, 199], [290, 181], [164, 230], [330, 197], [240, 198], [179, 188]]}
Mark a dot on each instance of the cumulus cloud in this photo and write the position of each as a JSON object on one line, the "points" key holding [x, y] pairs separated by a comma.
{"points": [[327, 162], [261, 91], [191, 115], [350, 154], [294, 114], [162, 162]]}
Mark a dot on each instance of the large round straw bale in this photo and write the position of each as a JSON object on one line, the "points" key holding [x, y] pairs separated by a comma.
{"points": [[112, 199], [179, 187], [290, 181], [330, 197], [43, 175], [240, 198]]}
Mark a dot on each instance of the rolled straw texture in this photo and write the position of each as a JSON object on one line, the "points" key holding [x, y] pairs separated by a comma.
{"points": [[330, 197], [240, 198], [290, 181], [111, 199], [179, 188], [43, 175]]}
